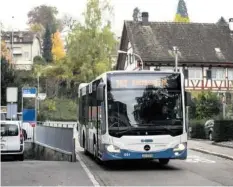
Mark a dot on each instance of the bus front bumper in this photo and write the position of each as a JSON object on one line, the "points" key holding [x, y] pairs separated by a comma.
{"points": [[122, 154]]}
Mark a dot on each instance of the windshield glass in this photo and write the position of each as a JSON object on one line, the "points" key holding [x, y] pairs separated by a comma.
{"points": [[140, 107], [144, 102]]}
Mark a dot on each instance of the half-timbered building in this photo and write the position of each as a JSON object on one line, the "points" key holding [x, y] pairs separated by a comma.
{"points": [[205, 51]]}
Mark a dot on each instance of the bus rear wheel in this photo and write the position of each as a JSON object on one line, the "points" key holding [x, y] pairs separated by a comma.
{"points": [[164, 161], [84, 145]]}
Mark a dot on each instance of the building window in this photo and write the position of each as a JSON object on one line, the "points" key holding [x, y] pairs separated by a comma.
{"points": [[218, 74], [195, 73], [230, 74]]}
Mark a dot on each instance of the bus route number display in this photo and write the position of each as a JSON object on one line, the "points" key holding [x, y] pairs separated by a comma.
{"points": [[139, 83]]}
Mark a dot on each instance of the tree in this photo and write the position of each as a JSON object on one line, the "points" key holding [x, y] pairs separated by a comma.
{"points": [[44, 15], [136, 14], [222, 22], [5, 52], [68, 21], [57, 48], [182, 12], [37, 27], [90, 44], [47, 45], [207, 105], [8, 77]]}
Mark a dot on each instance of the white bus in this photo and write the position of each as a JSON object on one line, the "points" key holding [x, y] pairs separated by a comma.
{"points": [[134, 115]]}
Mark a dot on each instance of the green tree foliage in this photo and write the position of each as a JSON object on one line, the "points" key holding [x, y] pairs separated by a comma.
{"points": [[44, 15], [8, 79], [90, 44], [182, 12], [47, 45], [208, 105]]}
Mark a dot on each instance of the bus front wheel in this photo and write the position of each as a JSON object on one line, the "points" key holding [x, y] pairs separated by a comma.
{"points": [[164, 161]]}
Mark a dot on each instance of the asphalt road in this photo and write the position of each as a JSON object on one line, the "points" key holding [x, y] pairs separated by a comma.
{"points": [[198, 170], [43, 173]]}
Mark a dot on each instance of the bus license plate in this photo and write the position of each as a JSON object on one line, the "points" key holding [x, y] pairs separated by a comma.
{"points": [[147, 155]]}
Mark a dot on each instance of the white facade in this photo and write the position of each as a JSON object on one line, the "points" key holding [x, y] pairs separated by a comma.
{"points": [[23, 53]]}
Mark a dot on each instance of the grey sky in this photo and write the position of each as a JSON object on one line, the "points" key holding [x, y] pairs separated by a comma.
{"points": [[159, 10]]}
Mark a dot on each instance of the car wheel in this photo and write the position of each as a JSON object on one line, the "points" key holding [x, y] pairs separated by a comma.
{"points": [[21, 157], [164, 161]]}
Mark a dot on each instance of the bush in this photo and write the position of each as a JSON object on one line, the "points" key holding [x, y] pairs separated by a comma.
{"points": [[223, 130], [198, 130], [58, 109]]}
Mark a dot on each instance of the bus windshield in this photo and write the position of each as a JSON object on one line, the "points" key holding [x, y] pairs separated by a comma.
{"points": [[139, 101]]}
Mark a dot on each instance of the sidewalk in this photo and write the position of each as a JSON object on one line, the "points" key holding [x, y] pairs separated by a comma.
{"points": [[208, 148]]}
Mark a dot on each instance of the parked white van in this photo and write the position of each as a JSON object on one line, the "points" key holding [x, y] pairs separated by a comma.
{"points": [[12, 141]]}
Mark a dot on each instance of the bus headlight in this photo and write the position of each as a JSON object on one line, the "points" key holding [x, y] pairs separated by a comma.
{"points": [[180, 147], [113, 149]]}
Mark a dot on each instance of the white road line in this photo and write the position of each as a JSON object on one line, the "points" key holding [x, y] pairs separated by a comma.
{"points": [[198, 159], [88, 172]]}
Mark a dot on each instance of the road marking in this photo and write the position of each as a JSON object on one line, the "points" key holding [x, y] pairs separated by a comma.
{"points": [[88, 172], [198, 159]]}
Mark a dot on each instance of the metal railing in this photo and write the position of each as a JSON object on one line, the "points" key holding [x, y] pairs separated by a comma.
{"points": [[55, 135]]}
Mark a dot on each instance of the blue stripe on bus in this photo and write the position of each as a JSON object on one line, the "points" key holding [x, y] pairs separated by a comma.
{"points": [[125, 154]]}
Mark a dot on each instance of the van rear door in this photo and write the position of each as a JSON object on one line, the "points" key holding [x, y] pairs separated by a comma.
{"points": [[13, 137]]}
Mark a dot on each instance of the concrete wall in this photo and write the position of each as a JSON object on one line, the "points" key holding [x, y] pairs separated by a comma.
{"points": [[34, 151]]}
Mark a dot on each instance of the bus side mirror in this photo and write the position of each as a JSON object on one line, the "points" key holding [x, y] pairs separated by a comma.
{"points": [[188, 99], [100, 92]]}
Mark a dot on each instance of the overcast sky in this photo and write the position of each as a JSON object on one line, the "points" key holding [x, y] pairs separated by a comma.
{"points": [[159, 10]]}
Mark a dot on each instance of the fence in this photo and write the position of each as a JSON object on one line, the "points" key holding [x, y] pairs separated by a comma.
{"points": [[52, 134]]}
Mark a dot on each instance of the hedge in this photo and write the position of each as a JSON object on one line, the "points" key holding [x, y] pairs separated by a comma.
{"points": [[198, 130], [223, 130]]}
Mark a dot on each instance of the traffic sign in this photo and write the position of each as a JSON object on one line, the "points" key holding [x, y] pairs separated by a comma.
{"points": [[11, 94], [29, 92]]}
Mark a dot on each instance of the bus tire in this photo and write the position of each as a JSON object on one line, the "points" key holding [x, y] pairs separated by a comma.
{"points": [[84, 145], [164, 161]]}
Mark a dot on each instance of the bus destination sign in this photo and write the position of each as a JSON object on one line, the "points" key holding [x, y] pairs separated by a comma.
{"points": [[143, 81]]}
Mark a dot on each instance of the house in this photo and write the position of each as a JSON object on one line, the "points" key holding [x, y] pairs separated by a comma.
{"points": [[205, 51], [25, 46]]}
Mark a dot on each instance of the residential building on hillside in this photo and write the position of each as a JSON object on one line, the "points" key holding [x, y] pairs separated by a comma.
{"points": [[205, 51], [25, 46]]}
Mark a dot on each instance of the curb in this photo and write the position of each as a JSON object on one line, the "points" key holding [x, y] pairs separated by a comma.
{"points": [[227, 146], [212, 153]]}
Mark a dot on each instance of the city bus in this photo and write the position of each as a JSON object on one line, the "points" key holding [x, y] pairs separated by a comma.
{"points": [[134, 115]]}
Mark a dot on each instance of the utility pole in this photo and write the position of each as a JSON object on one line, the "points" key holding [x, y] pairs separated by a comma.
{"points": [[175, 49], [12, 41]]}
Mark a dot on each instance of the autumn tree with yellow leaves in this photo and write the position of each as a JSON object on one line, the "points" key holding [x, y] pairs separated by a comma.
{"points": [[5, 53], [57, 48]]}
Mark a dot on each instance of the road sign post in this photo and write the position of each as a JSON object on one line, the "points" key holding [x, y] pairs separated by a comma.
{"points": [[29, 113]]}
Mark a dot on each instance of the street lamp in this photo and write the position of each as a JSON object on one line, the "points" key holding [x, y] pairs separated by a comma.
{"points": [[124, 52]]}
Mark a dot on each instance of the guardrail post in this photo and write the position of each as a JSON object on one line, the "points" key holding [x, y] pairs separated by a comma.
{"points": [[73, 151]]}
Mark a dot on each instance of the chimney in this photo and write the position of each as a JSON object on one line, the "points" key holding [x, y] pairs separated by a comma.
{"points": [[231, 25], [145, 16]]}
